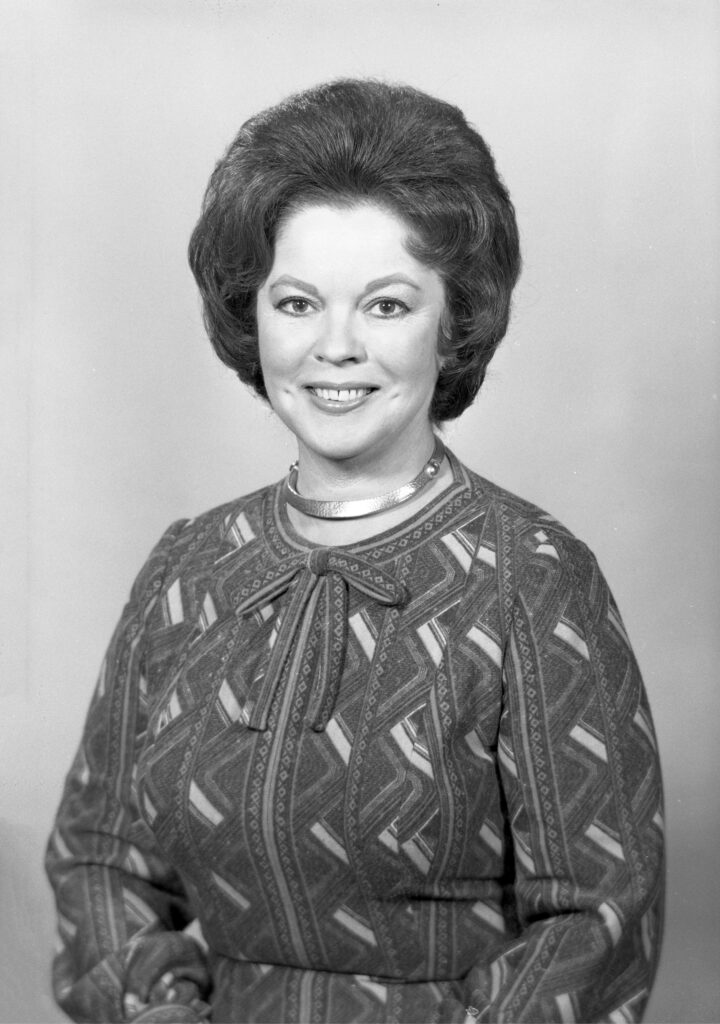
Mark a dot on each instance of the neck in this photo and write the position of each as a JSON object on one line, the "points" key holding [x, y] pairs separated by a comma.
{"points": [[360, 477], [335, 532]]}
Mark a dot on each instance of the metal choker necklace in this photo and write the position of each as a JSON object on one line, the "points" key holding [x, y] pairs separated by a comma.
{"points": [[363, 506]]}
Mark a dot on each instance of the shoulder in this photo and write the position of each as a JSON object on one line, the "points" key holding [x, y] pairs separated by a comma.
{"points": [[528, 542], [188, 546], [516, 516], [550, 580], [238, 519]]}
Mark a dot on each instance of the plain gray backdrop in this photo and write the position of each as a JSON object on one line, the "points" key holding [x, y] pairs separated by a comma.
{"points": [[115, 419]]}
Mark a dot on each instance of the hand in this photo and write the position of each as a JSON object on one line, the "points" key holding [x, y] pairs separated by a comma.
{"points": [[165, 978], [170, 999]]}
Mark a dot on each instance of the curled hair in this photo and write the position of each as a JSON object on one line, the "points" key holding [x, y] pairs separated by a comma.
{"points": [[348, 142]]}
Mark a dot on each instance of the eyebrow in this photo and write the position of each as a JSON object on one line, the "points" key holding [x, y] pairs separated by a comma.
{"points": [[372, 286], [381, 282], [295, 282]]}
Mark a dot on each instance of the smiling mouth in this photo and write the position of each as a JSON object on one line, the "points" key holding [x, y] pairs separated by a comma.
{"points": [[341, 395]]}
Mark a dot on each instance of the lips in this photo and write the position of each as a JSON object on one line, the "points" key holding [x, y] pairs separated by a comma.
{"points": [[335, 400], [340, 395]]}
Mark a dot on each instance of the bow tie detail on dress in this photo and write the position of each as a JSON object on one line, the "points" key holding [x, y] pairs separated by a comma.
{"points": [[312, 630]]}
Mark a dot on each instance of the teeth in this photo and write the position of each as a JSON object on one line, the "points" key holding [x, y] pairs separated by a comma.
{"points": [[344, 395]]}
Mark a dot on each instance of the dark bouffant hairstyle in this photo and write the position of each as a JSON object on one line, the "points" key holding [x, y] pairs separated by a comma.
{"points": [[348, 142]]}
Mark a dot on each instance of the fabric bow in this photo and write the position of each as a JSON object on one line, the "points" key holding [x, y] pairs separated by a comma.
{"points": [[314, 625]]}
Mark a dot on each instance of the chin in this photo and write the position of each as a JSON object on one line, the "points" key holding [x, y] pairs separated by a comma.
{"points": [[339, 451], [333, 440]]}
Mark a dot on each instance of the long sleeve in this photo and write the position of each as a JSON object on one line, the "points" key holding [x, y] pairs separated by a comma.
{"points": [[580, 773], [121, 908], [475, 831]]}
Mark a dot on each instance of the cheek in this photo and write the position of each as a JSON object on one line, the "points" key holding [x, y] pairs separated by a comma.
{"points": [[415, 376], [420, 360], [270, 336], [282, 342], [271, 346]]}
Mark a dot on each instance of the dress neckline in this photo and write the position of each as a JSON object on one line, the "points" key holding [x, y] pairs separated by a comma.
{"points": [[285, 541]]}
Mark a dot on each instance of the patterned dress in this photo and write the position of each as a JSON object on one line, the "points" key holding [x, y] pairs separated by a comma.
{"points": [[409, 779]]}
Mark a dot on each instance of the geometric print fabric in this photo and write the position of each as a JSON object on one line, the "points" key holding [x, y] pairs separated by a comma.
{"points": [[393, 781]]}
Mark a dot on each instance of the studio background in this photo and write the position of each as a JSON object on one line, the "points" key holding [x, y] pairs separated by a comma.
{"points": [[116, 419]]}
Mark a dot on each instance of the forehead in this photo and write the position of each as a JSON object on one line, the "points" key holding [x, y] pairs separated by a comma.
{"points": [[363, 233], [342, 249]]}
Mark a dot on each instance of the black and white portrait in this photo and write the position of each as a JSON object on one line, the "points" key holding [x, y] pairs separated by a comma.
{"points": [[382, 736]]}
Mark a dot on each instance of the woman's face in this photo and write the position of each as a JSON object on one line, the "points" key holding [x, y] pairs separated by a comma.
{"points": [[348, 325]]}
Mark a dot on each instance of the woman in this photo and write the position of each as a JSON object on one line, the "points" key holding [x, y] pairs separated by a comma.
{"points": [[378, 726]]}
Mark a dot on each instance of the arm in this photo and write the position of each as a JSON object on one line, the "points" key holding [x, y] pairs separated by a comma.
{"points": [[121, 908], [580, 771]]}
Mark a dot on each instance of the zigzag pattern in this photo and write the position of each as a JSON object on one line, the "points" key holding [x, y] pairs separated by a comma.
{"points": [[373, 768]]}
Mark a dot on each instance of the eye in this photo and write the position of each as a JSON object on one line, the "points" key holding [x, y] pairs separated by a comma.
{"points": [[295, 305], [388, 309]]}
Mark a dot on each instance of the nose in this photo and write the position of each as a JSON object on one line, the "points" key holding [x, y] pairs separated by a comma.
{"points": [[338, 340]]}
